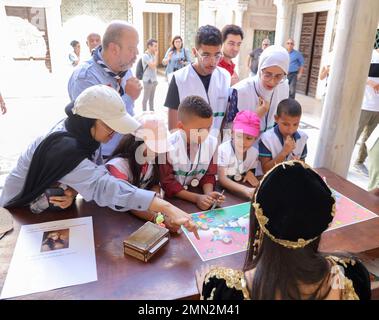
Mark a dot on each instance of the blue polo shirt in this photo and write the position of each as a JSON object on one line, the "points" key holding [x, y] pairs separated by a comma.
{"points": [[296, 61], [89, 74], [264, 152]]}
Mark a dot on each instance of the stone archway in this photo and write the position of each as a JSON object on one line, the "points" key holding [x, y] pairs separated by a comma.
{"points": [[140, 9]]}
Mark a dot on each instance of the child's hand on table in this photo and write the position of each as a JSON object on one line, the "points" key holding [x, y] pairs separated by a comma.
{"points": [[250, 178], [204, 201]]}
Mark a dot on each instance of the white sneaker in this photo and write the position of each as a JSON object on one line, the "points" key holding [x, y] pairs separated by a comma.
{"points": [[360, 167]]}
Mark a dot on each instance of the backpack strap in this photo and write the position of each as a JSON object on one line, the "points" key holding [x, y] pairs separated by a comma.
{"points": [[145, 69], [185, 54]]}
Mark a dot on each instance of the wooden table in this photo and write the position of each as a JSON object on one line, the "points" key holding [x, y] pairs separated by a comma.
{"points": [[169, 274]]}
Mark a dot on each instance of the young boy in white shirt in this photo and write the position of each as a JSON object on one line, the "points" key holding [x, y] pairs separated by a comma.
{"points": [[190, 163], [283, 142]]}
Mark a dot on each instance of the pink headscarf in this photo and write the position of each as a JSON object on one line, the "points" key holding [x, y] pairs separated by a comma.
{"points": [[248, 122]]}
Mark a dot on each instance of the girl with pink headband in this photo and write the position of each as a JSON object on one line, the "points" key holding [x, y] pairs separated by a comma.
{"points": [[238, 158]]}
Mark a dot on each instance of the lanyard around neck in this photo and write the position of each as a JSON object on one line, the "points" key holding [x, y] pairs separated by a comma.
{"points": [[269, 108], [192, 169], [239, 162]]}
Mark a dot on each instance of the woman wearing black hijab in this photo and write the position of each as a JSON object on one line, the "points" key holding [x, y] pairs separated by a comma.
{"points": [[70, 155]]}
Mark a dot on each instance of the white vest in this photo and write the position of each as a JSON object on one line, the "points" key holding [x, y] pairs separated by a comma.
{"points": [[189, 83], [272, 142], [122, 165], [186, 170], [227, 158], [248, 100], [371, 98]]}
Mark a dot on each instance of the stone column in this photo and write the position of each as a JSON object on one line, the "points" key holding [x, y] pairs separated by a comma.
{"points": [[357, 23], [137, 6], [58, 54], [283, 20], [238, 14], [207, 11], [239, 11]]}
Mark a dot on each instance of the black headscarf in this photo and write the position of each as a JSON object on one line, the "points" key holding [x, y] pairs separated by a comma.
{"points": [[296, 201], [57, 155]]}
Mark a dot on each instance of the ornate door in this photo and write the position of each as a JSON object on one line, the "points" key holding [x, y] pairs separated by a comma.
{"points": [[158, 26], [311, 45]]}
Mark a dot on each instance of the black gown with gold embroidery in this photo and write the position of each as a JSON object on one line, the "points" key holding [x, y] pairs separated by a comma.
{"points": [[228, 284]]}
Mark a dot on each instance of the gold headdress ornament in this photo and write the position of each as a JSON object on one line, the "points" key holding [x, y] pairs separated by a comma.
{"points": [[263, 220]]}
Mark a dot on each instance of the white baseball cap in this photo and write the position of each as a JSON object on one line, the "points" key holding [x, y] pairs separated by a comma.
{"points": [[104, 103], [154, 132]]}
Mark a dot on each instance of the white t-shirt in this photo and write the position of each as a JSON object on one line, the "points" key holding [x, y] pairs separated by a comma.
{"points": [[371, 99], [228, 159]]}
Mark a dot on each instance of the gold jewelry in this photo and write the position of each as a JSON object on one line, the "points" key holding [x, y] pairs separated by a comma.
{"points": [[263, 220]]}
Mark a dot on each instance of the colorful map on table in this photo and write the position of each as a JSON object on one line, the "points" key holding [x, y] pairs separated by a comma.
{"points": [[225, 231], [349, 212], [222, 231]]}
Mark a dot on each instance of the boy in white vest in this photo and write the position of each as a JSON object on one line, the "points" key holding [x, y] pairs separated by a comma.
{"points": [[203, 78], [283, 142], [238, 158], [190, 163]]}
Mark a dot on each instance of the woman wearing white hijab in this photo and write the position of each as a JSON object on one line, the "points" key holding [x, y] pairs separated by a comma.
{"points": [[268, 84]]}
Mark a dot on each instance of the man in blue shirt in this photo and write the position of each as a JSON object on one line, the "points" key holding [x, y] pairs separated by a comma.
{"points": [[110, 64], [296, 68]]}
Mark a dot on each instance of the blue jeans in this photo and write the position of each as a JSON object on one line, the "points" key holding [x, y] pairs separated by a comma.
{"points": [[292, 81]]}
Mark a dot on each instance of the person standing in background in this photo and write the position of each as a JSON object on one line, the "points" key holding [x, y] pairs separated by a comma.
{"points": [[111, 65], [325, 73], [93, 40], [369, 117], [150, 63], [74, 56], [176, 57], [296, 66], [372, 145], [232, 37], [253, 60]]}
